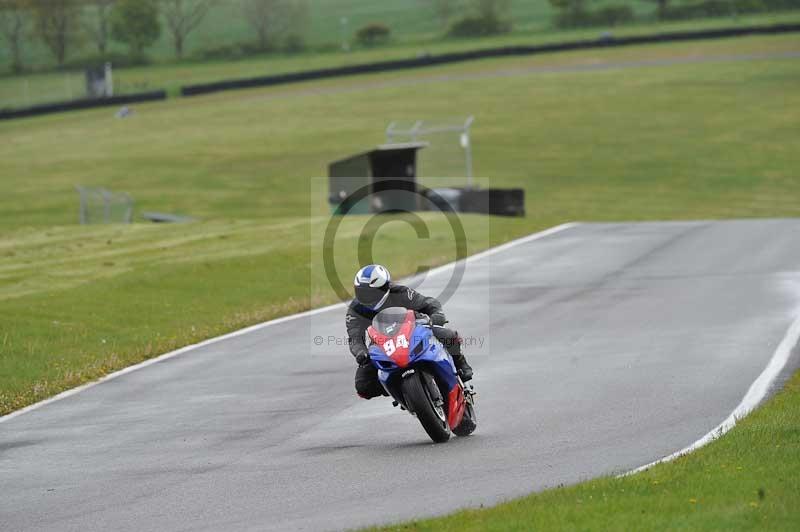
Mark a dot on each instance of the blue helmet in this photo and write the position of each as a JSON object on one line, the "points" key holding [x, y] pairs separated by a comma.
{"points": [[372, 286]]}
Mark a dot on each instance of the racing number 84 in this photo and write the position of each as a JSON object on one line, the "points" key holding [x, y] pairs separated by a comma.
{"points": [[389, 345]]}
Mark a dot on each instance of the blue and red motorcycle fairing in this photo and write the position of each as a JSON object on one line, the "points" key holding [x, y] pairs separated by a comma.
{"points": [[416, 370]]}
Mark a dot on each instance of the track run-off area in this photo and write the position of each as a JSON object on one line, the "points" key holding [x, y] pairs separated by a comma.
{"points": [[597, 348]]}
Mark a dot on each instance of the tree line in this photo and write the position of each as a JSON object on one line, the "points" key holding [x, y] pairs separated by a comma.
{"points": [[63, 26]]}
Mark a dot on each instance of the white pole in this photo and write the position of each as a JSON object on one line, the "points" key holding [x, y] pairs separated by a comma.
{"points": [[390, 133], [467, 142], [415, 129]]}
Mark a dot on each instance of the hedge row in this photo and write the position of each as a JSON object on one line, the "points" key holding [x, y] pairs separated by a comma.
{"points": [[725, 8], [431, 60]]}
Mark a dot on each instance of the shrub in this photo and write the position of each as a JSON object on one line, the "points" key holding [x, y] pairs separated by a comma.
{"points": [[294, 43], [230, 51], [612, 15], [373, 34], [249, 48], [223, 51], [477, 26], [713, 8]]}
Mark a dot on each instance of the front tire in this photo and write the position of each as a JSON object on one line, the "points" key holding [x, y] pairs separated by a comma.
{"points": [[420, 400]]}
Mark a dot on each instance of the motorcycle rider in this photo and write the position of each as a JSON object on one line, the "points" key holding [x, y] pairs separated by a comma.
{"points": [[374, 291]]}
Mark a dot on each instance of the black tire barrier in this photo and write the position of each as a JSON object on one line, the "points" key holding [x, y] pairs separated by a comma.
{"points": [[506, 51], [86, 103], [494, 201]]}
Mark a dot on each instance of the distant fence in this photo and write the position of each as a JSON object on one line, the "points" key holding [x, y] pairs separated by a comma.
{"points": [[506, 51], [86, 103]]}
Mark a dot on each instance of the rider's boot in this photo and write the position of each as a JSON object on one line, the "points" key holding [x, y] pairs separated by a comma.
{"points": [[460, 361], [464, 369]]}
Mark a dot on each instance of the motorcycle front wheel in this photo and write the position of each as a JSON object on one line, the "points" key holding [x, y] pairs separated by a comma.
{"points": [[424, 399]]}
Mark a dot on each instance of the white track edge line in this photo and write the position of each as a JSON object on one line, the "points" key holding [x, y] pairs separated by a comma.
{"points": [[258, 326], [755, 394]]}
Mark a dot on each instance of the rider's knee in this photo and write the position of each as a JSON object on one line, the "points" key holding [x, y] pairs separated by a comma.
{"points": [[448, 337]]}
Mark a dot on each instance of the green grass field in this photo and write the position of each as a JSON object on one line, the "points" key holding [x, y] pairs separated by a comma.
{"points": [[716, 139]]}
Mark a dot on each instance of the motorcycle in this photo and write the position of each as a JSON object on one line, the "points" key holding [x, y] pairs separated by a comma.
{"points": [[417, 371]]}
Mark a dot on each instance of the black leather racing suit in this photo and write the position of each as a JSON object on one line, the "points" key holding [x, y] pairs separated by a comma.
{"points": [[359, 318]]}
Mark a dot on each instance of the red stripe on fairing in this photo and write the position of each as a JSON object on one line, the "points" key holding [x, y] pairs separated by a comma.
{"points": [[400, 355], [455, 406]]}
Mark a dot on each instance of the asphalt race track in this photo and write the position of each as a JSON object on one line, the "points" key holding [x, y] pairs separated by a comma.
{"points": [[606, 346]]}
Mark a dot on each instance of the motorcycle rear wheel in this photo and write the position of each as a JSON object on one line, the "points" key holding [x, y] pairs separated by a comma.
{"points": [[432, 417]]}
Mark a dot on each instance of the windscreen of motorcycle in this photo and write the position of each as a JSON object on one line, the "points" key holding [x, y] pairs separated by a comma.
{"points": [[389, 320]]}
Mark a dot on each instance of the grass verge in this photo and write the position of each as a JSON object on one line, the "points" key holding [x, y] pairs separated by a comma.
{"points": [[747, 480]]}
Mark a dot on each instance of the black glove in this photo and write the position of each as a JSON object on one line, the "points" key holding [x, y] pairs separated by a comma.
{"points": [[438, 318], [422, 319], [362, 358]]}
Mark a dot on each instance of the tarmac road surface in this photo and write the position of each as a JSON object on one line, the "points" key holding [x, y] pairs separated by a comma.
{"points": [[605, 346]]}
